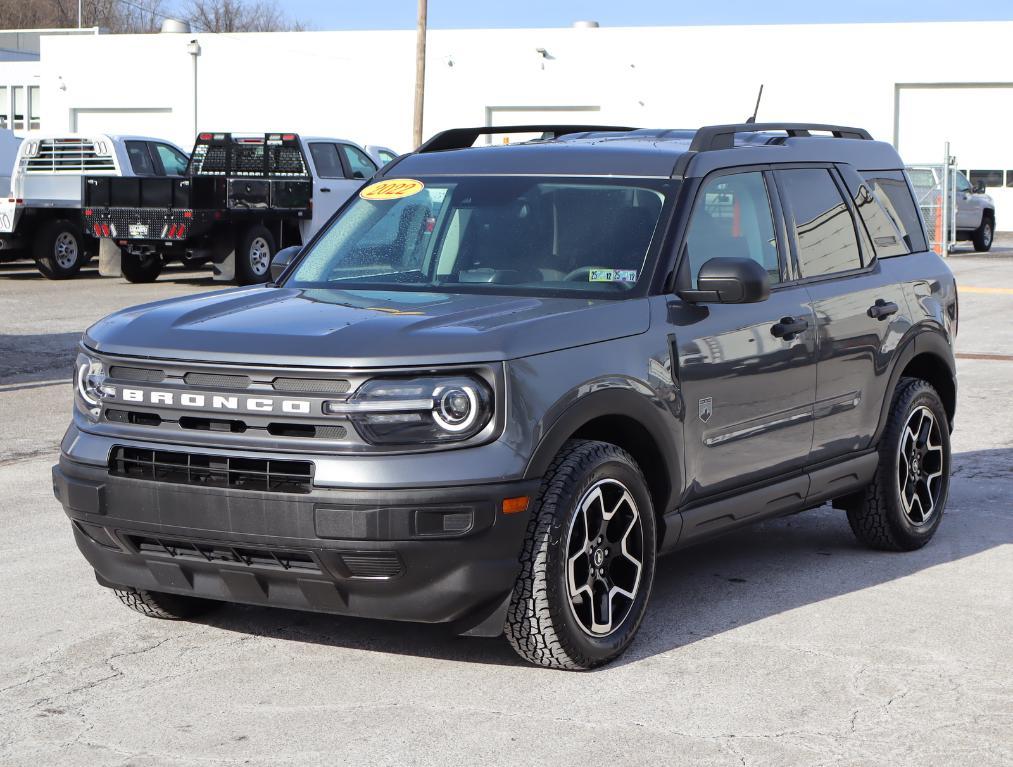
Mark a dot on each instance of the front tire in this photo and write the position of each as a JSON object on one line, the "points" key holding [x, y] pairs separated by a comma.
{"points": [[157, 604], [900, 510], [254, 252], [984, 234], [140, 269], [587, 565], [59, 250]]}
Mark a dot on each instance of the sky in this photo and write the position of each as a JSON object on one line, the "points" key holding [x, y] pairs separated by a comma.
{"points": [[450, 14]]}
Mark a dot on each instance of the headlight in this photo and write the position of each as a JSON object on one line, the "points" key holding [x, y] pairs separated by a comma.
{"points": [[89, 377], [411, 411]]}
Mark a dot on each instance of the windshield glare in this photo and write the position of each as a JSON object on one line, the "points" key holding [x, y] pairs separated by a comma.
{"points": [[494, 234]]}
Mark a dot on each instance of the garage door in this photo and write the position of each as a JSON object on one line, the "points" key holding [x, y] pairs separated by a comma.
{"points": [[967, 116], [138, 122]]}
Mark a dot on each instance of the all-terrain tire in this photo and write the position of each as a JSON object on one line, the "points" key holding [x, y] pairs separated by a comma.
{"points": [[59, 250], [541, 623], [984, 234], [157, 604], [140, 269], [254, 250], [877, 515]]}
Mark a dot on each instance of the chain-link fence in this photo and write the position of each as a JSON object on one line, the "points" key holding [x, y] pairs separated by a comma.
{"points": [[935, 191]]}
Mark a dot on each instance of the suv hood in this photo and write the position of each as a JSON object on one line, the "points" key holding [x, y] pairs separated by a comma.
{"points": [[310, 327]]}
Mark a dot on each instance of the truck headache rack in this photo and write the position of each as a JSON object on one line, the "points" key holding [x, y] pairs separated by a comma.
{"points": [[271, 155], [713, 137], [463, 138]]}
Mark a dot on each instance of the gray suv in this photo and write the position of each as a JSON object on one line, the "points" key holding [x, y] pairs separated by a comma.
{"points": [[503, 380]]}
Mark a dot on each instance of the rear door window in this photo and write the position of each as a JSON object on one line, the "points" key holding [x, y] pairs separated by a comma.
{"points": [[825, 234], [879, 232], [891, 189], [140, 159], [326, 160]]}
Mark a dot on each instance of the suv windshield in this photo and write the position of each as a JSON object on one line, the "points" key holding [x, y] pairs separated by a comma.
{"points": [[519, 235]]}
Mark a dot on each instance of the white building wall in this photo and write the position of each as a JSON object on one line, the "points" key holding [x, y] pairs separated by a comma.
{"points": [[359, 85]]}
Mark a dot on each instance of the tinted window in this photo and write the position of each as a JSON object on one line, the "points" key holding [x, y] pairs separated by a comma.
{"points": [[386, 157], [140, 160], [358, 161], [824, 229], [961, 182], [986, 177], [891, 189], [173, 161], [879, 233], [732, 219], [325, 157]]}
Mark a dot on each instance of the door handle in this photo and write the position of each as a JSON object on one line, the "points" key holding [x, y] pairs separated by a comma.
{"points": [[882, 309], [789, 327], [324, 189]]}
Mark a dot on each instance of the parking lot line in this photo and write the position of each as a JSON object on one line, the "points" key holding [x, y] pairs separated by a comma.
{"points": [[983, 356], [993, 291]]}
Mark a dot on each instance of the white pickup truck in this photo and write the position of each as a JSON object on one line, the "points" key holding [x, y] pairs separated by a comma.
{"points": [[40, 207]]}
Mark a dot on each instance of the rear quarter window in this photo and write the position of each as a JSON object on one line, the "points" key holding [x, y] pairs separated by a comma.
{"points": [[891, 189]]}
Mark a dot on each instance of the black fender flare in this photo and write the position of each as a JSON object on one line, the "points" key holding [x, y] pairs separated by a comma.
{"points": [[922, 339], [647, 412]]}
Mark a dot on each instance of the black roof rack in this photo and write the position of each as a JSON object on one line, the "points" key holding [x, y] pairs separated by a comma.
{"points": [[713, 137], [462, 138]]}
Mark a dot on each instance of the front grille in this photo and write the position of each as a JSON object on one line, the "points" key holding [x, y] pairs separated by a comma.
{"points": [[264, 475], [146, 375], [310, 385], [221, 553], [217, 381], [373, 564], [307, 431]]}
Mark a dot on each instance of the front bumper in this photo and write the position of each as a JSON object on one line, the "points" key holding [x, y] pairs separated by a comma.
{"points": [[435, 555]]}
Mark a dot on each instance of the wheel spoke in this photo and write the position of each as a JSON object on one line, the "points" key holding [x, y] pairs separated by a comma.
{"points": [[601, 601]]}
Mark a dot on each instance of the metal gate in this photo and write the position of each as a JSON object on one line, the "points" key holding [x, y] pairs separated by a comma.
{"points": [[936, 192]]}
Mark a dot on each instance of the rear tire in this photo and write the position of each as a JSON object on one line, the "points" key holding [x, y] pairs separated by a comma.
{"points": [[592, 531], [254, 252], [984, 234], [59, 250], [900, 510], [157, 604], [140, 269]]}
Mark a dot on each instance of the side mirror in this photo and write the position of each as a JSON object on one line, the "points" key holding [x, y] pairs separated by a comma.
{"points": [[729, 281], [979, 188], [282, 259]]}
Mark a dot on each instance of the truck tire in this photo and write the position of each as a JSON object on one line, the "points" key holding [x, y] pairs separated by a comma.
{"points": [[984, 234], [254, 252], [587, 564], [137, 268], [157, 604], [900, 510], [59, 249]]}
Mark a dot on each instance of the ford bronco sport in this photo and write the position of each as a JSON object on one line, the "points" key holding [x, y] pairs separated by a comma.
{"points": [[502, 380]]}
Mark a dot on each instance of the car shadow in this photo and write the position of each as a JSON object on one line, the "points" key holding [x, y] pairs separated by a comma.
{"points": [[741, 578], [174, 273]]}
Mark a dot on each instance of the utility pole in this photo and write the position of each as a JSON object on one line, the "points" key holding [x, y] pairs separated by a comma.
{"points": [[420, 73]]}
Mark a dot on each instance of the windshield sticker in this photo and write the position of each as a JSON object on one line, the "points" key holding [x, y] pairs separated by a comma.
{"points": [[392, 189], [612, 275]]}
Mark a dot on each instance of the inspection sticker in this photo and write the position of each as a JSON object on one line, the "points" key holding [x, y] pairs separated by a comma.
{"points": [[392, 189], [613, 275]]}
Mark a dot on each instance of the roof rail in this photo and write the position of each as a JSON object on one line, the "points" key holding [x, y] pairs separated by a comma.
{"points": [[462, 138], [713, 137]]}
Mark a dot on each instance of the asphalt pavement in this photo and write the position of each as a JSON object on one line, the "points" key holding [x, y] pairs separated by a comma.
{"points": [[783, 644]]}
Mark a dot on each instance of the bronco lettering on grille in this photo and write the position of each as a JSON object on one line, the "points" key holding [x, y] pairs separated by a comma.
{"points": [[211, 401]]}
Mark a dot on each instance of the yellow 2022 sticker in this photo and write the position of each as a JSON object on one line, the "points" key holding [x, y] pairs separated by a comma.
{"points": [[392, 189]]}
